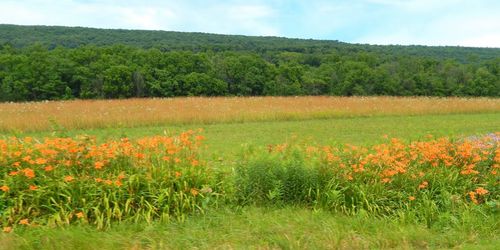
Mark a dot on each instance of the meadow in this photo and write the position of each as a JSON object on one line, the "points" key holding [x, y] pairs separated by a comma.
{"points": [[88, 114], [293, 173]]}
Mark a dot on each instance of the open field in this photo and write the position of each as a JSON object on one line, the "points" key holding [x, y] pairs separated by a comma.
{"points": [[419, 192], [226, 139], [40, 116]]}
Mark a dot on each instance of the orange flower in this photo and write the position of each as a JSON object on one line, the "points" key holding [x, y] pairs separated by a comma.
{"points": [[68, 178], [4, 188], [472, 196], [48, 168], [28, 172], [12, 173], [118, 183], [40, 161], [177, 160], [386, 180], [121, 176], [195, 163], [79, 215], [194, 191], [7, 229], [481, 191], [423, 185], [33, 187], [108, 182], [166, 158], [24, 222], [98, 165], [178, 174], [139, 156], [412, 198]]}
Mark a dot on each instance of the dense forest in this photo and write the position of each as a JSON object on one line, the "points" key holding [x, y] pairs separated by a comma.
{"points": [[50, 63]]}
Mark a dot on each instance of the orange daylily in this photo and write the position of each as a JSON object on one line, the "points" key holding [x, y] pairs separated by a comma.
{"points": [[40, 161], [98, 165], [68, 178], [28, 172], [24, 222], [481, 191], [7, 229], [423, 185]]}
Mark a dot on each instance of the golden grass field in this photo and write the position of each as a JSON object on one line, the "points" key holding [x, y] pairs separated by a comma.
{"points": [[85, 114]]}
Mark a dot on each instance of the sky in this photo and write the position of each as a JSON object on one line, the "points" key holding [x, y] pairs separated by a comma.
{"points": [[473, 23]]}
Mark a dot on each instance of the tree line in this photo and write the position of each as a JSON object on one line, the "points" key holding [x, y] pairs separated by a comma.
{"points": [[36, 70], [72, 37]]}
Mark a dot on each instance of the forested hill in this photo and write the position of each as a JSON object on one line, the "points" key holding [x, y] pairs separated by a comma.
{"points": [[72, 37], [47, 63]]}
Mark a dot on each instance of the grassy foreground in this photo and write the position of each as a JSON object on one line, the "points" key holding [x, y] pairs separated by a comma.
{"points": [[268, 228], [285, 226]]}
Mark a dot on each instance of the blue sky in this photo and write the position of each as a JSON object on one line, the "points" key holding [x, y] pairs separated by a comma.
{"points": [[425, 22]]}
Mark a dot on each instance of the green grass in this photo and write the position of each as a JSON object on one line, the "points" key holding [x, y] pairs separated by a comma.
{"points": [[225, 139], [265, 228], [285, 227]]}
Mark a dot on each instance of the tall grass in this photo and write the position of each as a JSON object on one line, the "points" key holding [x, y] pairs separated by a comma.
{"points": [[84, 114]]}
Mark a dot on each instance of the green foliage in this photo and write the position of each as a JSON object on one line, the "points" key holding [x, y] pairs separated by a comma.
{"points": [[272, 179], [50, 63], [144, 181], [384, 180]]}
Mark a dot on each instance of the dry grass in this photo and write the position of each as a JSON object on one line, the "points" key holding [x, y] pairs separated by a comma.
{"points": [[80, 114]]}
